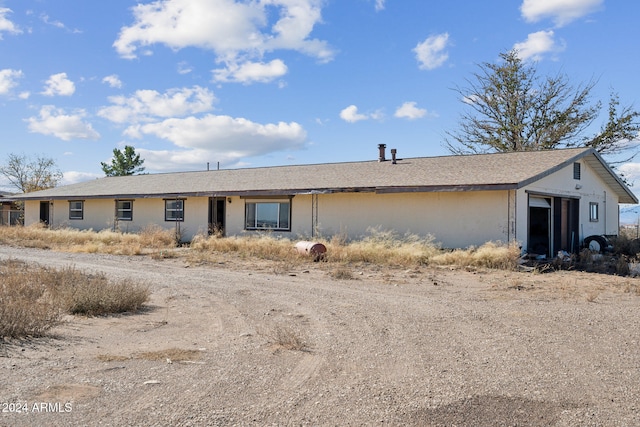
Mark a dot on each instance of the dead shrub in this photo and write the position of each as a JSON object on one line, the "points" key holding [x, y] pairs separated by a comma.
{"points": [[155, 237], [33, 299], [285, 336], [89, 241], [26, 308], [592, 296], [95, 295], [384, 247], [260, 246], [490, 255], [341, 273]]}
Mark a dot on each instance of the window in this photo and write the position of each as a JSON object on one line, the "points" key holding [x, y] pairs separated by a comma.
{"points": [[174, 210], [268, 216], [76, 209], [593, 212], [576, 171], [124, 210]]}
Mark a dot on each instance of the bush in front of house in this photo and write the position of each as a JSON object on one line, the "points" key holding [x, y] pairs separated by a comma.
{"points": [[34, 299]]}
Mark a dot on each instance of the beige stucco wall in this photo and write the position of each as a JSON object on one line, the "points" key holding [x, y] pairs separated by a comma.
{"points": [[99, 214], [446, 216], [31, 212]]}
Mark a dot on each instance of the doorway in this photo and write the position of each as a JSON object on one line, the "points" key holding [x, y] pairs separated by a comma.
{"points": [[553, 225], [539, 226], [566, 219], [44, 213], [217, 208]]}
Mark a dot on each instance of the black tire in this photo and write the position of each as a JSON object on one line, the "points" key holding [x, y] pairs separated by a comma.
{"points": [[596, 243]]}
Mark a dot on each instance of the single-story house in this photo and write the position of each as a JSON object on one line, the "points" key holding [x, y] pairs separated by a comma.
{"points": [[545, 200]]}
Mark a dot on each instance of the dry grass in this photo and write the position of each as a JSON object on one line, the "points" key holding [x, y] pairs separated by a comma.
{"points": [[96, 295], [490, 255], [380, 247], [341, 273], [33, 299], [385, 248], [284, 336], [171, 354], [265, 246], [151, 238], [27, 308]]}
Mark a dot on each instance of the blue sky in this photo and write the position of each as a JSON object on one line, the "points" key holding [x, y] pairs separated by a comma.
{"points": [[273, 82]]}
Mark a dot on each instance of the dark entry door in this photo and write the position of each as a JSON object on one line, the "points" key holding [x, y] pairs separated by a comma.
{"points": [[44, 213], [217, 206], [540, 230]]}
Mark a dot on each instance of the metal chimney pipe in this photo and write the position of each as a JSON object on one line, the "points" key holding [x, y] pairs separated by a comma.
{"points": [[381, 148], [393, 155]]}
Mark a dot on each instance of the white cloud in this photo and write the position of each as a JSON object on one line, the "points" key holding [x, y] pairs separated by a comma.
{"points": [[217, 138], [410, 111], [145, 105], [113, 80], [380, 5], [46, 20], [54, 121], [431, 52], [5, 24], [73, 177], [238, 32], [351, 115], [59, 84], [250, 72], [54, 23], [184, 68], [561, 12], [536, 45], [9, 80], [631, 172]]}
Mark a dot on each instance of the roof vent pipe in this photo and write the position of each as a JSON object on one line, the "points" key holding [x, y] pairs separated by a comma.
{"points": [[393, 155], [382, 147]]}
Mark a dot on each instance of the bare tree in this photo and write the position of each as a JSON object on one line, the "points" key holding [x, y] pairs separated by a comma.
{"points": [[510, 108], [619, 135], [31, 174]]}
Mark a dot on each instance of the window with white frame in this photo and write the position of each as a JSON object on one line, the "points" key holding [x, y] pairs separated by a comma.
{"points": [[593, 212], [174, 210], [76, 209], [268, 215], [124, 210]]}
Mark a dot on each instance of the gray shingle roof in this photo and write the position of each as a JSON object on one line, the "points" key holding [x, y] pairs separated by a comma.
{"points": [[447, 173]]}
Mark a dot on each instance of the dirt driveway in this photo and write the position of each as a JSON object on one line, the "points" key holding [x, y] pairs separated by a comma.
{"points": [[241, 342]]}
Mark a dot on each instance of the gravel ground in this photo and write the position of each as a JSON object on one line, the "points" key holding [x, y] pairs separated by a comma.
{"points": [[426, 346]]}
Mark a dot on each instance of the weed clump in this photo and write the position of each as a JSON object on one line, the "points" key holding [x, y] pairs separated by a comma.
{"points": [[286, 337], [34, 299], [490, 255]]}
